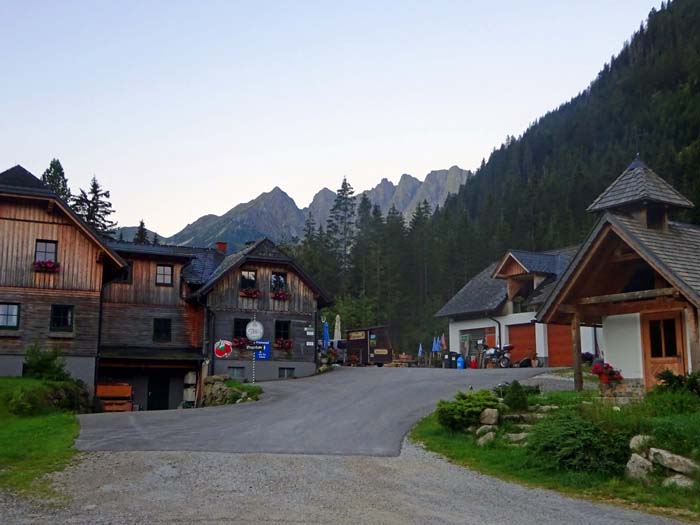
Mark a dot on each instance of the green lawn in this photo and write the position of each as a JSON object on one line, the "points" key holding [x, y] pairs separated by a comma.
{"points": [[513, 464], [32, 446]]}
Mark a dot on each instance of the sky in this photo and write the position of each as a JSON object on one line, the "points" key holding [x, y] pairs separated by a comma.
{"points": [[186, 108]]}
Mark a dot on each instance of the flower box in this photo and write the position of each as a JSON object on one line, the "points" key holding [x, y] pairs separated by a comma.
{"points": [[47, 266], [250, 293], [240, 342], [281, 295], [284, 344]]}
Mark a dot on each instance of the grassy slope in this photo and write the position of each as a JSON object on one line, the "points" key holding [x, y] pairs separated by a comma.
{"points": [[32, 446], [513, 464]]}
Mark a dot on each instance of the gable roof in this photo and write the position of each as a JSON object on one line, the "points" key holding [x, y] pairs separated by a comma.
{"points": [[639, 183], [20, 182], [263, 250], [673, 252], [550, 262], [481, 295]]}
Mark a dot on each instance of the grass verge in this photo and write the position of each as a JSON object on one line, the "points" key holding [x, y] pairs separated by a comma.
{"points": [[512, 463], [32, 446], [238, 387]]}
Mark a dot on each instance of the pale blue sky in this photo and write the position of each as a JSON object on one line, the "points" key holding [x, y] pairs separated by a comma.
{"points": [[187, 108]]}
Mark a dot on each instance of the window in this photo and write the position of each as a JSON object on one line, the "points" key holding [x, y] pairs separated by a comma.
{"points": [[61, 318], [127, 274], [162, 330], [282, 329], [248, 279], [285, 373], [45, 251], [236, 372], [278, 282], [9, 315], [239, 327], [164, 275], [662, 338]]}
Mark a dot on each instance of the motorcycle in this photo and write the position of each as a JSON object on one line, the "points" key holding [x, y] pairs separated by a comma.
{"points": [[499, 357]]}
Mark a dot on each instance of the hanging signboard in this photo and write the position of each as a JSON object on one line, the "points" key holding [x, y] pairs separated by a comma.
{"points": [[254, 330], [223, 348], [260, 349]]}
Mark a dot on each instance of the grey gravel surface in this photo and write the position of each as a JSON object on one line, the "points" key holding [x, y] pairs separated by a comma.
{"points": [[348, 411], [209, 487]]}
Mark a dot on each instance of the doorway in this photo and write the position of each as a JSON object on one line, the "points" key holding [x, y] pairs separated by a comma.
{"points": [[663, 345], [158, 392]]}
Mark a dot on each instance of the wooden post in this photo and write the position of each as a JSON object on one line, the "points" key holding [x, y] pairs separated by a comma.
{"points": [[576, 350]]}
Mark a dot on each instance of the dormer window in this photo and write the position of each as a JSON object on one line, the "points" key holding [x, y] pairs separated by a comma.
{"points": [[656, 217]]}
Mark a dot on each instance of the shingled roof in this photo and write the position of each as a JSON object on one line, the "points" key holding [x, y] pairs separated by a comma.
{"points": [[551, 262], [18, 177], [639, 183], [481, 295]]}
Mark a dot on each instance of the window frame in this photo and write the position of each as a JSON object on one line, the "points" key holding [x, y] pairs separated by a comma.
{"points": [[241, 334], [172, 275], [283, 322], [286, 372], [45, 241], [234, 371], [243, 279], [170, 330], [71, 316], [18, 315], [273, 289]]}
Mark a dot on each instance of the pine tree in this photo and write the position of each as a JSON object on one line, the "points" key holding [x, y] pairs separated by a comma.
{"points": [[141, 235], [340, 227], [156, 240], [55, 179], [94, 208]]}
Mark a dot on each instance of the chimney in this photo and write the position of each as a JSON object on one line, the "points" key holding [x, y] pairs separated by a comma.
{"points": [[222, 247]]}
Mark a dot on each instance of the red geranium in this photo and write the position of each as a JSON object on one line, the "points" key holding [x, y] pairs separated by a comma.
{"points": [[284, 344], [281, 295], [606, 372], [46, 266], [250, 293]]}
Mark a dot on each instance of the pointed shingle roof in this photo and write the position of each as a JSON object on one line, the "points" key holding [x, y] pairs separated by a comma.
{"points": [[18, 177], [639, 183]]}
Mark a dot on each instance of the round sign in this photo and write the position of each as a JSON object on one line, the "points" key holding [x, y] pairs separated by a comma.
{"points": [[254, 330], [223, 348]]}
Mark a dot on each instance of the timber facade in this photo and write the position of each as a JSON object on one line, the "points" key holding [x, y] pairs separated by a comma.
{"points": [[141, 316]]}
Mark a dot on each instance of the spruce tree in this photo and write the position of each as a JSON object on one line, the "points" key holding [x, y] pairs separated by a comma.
{"points": [[156, 240], [141, 235], [55, 179], [94, 208], [340, 227]]}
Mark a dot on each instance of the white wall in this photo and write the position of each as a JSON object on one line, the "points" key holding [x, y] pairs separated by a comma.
{"points": [[622, 335]]}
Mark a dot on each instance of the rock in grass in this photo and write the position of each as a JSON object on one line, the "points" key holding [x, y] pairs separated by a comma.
{"points": [[486, 438], [673, 461], [639, 468], [678, 480], [485, 429], [547, 408], [516, 438], [489, 416], [640, 442]]}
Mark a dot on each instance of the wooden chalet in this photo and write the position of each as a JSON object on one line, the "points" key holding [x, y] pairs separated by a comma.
{"points": [[140, 322], [638, 276], [53, 267]]}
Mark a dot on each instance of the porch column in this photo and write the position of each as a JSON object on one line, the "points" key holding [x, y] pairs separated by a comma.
{"points": [[576, 350], [694, 338]]}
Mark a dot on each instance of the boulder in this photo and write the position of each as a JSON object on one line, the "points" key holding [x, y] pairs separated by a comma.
{"points": [[513, 417], [516, 438], [532, 417], [673, 461], [678, 480], [547, 408], [639, 468], [486, 438], [216, 379], [484, 429], [640, 442], [489, 416]]}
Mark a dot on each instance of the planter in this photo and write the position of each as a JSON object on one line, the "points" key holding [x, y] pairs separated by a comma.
{"points": [[250, 293], [324, 360], [46, 266], [280, 296]]}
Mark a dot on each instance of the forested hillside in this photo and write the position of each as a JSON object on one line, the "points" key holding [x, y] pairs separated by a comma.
{"points": [[532, 192]]}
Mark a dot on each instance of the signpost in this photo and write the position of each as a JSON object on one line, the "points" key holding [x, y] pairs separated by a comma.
{"points": [[254, 331]]}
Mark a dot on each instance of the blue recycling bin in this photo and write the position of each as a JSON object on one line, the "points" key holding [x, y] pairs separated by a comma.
{"points": [[460, 363]]}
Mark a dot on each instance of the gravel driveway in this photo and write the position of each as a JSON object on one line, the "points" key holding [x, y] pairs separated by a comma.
{"points": [[321, 450]]}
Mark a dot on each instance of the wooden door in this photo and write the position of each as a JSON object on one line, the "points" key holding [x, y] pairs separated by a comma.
{"points": [[663, 345], [522, 337], [559, 345], [158, 392]]}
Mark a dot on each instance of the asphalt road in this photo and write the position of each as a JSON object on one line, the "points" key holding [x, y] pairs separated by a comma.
{"points": [[351, 411]]}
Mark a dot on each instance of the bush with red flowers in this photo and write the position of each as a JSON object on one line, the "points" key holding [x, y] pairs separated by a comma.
{"points": [[284, 344], [240, 342], [605, 372], [250, 293], [281, 295], [46, 266]]}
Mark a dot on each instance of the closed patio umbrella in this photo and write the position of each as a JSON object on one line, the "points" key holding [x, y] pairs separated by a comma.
{"points": [[337, 332]]}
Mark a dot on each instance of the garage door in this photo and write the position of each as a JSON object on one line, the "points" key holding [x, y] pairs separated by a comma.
{"points": [[522, 337], [559, 345]]}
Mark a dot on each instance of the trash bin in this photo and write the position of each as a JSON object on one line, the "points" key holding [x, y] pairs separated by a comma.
{"points": [[460, 363]]}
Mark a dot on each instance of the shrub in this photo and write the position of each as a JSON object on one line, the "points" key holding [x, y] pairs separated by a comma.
{"points": [[49, 396], [662, 402], [530, 390], [45, 364], [679, 434], [568, 442], [465, 410], [237, 388], [678, 383], [515, 397]]}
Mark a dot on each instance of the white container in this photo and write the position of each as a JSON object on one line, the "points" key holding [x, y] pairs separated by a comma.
{"points": [[190, 378], [188, 394]]}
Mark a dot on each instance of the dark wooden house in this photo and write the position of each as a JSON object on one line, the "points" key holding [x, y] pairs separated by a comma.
{"points": [[52, 269]]}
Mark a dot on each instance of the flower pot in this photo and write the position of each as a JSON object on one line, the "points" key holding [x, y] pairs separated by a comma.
{"points": [[324, 360]]}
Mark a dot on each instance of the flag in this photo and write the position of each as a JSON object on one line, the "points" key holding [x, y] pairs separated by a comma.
{"points": [[443, 342]]}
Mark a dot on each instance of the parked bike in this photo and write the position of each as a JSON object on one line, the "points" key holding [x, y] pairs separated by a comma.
{"points": [[498, 356]]}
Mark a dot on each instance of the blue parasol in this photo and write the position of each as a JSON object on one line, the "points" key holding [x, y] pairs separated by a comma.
{"points": [[326, 336]]}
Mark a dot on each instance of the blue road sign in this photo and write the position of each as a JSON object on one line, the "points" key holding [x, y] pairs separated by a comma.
{"points": [[261, 350]]}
